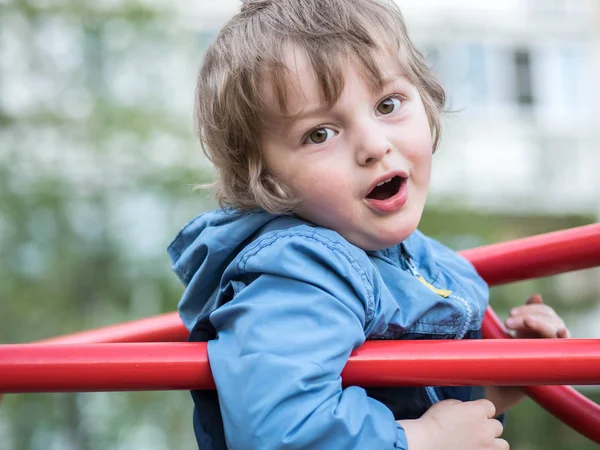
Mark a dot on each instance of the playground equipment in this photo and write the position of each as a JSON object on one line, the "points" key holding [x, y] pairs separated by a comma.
{"points": [[131, 356]]}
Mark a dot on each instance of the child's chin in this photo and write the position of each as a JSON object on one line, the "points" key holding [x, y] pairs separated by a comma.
{"points": [[398, 235], [386, 240]]}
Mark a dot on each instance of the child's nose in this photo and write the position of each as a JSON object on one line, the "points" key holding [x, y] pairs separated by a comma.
{"points": [[372, 149]]}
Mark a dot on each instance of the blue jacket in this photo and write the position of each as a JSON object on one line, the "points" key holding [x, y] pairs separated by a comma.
{"points": [[284, 302]]}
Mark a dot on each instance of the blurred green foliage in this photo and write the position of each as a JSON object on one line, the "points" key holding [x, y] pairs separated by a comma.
{"points": [[94, 182]]}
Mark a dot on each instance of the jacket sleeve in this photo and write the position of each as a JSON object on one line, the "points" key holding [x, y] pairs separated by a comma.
{"points": [[281, 346]]}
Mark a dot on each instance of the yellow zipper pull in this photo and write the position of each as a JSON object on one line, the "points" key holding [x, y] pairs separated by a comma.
{"points": [[442, 292]]}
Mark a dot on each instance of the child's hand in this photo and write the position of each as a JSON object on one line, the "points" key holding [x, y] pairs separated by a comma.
{"points": [[532, 320], [536, 320], [455, 425]]}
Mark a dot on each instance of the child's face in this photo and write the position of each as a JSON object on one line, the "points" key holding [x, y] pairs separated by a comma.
{"points": [[334, 157]]}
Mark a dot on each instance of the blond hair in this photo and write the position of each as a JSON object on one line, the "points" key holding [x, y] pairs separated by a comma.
{"points": [[231, 112]]}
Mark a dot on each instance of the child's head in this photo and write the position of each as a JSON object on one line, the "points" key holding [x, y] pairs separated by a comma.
{"points": [[278, 59]]}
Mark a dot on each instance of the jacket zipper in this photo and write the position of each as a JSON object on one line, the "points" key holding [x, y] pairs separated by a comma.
{"points": [[442, 292]]}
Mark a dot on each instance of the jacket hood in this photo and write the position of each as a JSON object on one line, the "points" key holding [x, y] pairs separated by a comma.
{"points": [[203, 249]]}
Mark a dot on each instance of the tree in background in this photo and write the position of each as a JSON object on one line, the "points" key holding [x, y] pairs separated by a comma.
{"points": [[96, 167]]}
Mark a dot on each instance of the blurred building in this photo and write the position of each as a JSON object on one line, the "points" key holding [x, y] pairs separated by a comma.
{"points": [[521, 75], [522, 78]]}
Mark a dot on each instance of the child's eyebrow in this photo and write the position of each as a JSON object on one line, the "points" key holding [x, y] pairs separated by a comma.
{"points": [[388, 80], [307, 113], [393, 78]]}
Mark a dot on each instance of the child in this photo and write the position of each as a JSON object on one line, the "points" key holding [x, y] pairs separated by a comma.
{"points": [[321, 118]]}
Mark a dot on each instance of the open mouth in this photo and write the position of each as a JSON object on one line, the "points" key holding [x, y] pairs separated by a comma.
{"points": [[386, 189]]}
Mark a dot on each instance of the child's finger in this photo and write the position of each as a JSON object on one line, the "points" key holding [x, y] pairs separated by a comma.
{"points": [[534, 299], [534, 308], [540, 326], [563, 333], [543, 328], [516, 323]]}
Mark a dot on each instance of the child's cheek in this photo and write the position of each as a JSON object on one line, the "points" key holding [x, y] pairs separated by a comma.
{"points": [[326, 187], [420, 155]]}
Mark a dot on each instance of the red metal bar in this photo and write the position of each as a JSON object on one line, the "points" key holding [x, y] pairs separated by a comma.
{"points": [[563, 402], [538, 256], [159, 366], [165, 327]]}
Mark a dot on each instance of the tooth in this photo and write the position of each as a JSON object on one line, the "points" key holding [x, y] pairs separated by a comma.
{"points": [[383, 182]]}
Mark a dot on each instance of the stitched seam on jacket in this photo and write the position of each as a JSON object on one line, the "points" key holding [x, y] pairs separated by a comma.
{"points": [[334, 246], [422, 322], [467, 323]]}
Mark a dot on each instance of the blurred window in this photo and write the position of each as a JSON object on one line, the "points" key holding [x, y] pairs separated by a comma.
{"points": [[477, 74], [523, 87]]}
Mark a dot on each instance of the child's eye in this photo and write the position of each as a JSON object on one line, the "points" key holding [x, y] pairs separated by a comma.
{"points": [[389, 105], [319, 135]]}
